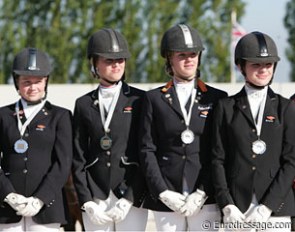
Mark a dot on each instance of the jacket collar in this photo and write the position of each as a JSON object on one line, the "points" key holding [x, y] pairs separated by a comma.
{"points": [[243, 104], [170, 95], [125, 89], [199, 84]]}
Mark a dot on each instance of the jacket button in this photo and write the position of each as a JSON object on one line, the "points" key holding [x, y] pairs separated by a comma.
{"points": [[108, 164], [253, 168], [183, 157], [108, 153], [254, 156], [25, 171]]}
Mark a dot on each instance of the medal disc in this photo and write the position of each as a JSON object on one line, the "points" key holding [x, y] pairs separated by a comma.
{"points": [[105, 142], [258, 147], [21, 146], [187, 136]]}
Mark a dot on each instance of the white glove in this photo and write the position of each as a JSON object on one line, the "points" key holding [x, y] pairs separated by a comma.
{"points": [[194, 203], [232, 214], [96, 213], [16, 201], [172, 200], [259, 213], [120, 210], [33, 207]]}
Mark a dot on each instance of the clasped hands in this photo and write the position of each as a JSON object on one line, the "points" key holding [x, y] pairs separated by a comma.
{"points": [[96, 211], [24, 206], [257, 214], [185, 205]]}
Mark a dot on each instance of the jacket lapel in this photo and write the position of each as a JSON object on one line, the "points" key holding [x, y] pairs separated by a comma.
{"points": [[170, 97], [122, 101], [242, 104], [95, 100], [123, 98], [270, 114], [200, 107], [43, 113], [95, 106]]}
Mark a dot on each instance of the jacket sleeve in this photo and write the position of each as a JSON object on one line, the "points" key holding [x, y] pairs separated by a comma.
{"points": [[79, 161], [219, 145], [62, 152], [5, 186], [135, 178], [205, 177], [282, 183], [148, 148]]}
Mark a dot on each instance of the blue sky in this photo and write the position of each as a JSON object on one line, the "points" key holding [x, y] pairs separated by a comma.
{"points": [[267, 16]]}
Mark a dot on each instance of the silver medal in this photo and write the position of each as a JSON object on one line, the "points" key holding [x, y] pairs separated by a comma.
{"points": [[21, 146], [258, 147], [187, 136], [105, 142]]}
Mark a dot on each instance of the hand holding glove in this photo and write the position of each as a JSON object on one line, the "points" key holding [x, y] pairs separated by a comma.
{"points": [[120, 210], [96, 213], [16, 201], [259, 213], [33, 206], [194, 203], [232, 214], [172, 200]]}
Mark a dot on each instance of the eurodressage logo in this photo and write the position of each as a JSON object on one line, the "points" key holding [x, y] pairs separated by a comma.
{"points": [[237, 226]]}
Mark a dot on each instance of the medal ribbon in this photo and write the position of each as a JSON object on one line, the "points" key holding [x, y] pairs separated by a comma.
{"points": [[258, 124], [187, 115], [22, 127], [106, 121]]}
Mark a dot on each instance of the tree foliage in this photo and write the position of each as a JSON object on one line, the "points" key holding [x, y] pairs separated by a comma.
{"points": [[289, 22], [62, 28]]}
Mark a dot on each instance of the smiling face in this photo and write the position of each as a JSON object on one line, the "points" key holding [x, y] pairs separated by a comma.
{"points": [[32, 88], [259, 74], [110, 70], [184, 65]]}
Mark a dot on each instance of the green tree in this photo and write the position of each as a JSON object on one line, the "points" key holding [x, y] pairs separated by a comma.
{"points": [[289, 22], [62, 28]]}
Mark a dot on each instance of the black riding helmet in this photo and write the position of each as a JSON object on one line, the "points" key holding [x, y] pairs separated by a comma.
{"points": [[107, 43], [256, 47], [180, 38], [31, 62]]}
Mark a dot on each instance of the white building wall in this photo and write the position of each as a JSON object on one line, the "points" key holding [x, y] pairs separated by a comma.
{"points": [[65, 94]]}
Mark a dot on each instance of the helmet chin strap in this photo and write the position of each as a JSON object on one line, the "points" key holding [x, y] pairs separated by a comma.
{"points": [[256, 86], [31, 103], [110, 82], [96, 73]]}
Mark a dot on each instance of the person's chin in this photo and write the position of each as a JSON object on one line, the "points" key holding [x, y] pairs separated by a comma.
{"points": [[33, 99]]}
